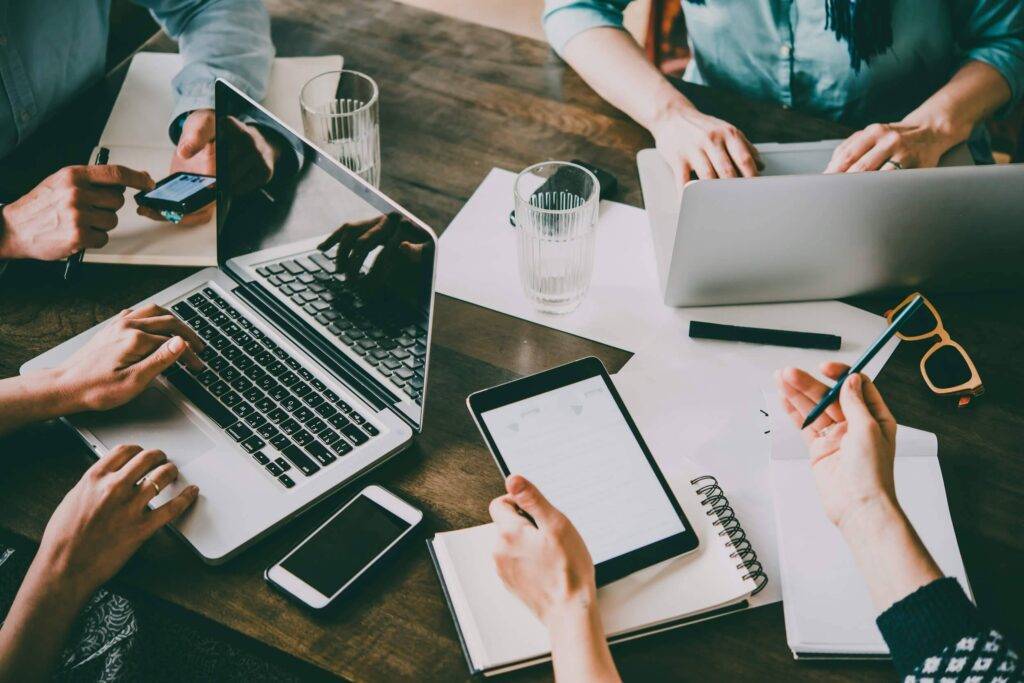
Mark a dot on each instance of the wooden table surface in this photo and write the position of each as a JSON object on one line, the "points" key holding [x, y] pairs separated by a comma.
{"points": [[458, 99]]}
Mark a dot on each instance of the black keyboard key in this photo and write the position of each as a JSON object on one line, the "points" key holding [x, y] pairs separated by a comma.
{"points": [[184, 311], [220, 343], [290, 427], [341, 447], [268, 431], [279, 393], [254, 395], [302, 438], [230, 398], [291, 404], [289, 378], [195, 392], [256, 420], [219, 388], [293, 364], [316, 425], [277, 368], [301, 389], [219, 364], [280, 442], [331, 396], [343, 407], [243, 409], [255, 373], [265, 405], [274, 469], [286, 480], [339, 421], [277, 415], [370, 429], [355, 435], [303, 414], [326, 409], [197, 298], [305, 374], [356, 417], [313, 400], [329, 436], [281, 353], [260, 457], [230, 374], [283, 464], [319, 386], [253, 444], [266, 383], [298, 458], [242, 384], [239, 432], [207, 377], [322, 455]]}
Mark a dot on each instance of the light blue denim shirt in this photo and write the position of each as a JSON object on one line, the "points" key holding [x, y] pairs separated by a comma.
{"points": [[49, 51], [780, 50]]}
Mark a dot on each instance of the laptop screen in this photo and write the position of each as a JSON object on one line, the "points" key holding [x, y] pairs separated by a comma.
{"points": [[345, 266]]}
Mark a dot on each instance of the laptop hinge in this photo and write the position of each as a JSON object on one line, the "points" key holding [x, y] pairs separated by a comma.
{"points": [[300, 332]]}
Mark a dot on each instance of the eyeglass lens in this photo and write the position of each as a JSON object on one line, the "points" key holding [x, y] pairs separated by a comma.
{"points": [[947, 367]]}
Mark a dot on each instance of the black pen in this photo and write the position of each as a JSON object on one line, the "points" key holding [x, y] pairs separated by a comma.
{"points": [[833, 393], [75, 260]]}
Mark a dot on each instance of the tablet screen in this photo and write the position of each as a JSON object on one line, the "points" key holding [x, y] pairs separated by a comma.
{"points": [[576, 446]]}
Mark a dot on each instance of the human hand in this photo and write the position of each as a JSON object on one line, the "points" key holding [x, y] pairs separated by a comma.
{"points": [[196, 153], [71, 210], [890, 146], [545, 563], [852, 445], [253, 156], [405, 248], [104, 519], [691, 141], [122, 358]]}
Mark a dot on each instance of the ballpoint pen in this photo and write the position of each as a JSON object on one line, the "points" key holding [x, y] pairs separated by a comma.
{"points": [[833, 393]]}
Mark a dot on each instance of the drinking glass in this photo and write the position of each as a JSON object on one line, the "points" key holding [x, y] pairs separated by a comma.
{"points": [[556, 205], [340, 116]]}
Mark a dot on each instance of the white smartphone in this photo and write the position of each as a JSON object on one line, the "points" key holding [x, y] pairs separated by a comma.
{"points": [[344, 547]]}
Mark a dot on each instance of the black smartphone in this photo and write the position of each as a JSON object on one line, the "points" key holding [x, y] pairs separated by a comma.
{"points": [[609, 183], [180, 194]]}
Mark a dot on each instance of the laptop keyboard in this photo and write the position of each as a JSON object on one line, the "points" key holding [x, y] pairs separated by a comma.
{"points": [[380, 334], [262, 397]]}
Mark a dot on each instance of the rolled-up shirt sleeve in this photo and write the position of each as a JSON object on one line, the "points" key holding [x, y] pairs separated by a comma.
{"points": [[565, 19], [992, 32], [227, 39]]}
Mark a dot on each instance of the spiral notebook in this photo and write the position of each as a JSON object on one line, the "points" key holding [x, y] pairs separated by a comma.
{"points": [[498, 633]]}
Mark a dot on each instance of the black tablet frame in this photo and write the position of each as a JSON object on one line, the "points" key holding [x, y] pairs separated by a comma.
{"points": [[586, 368]]}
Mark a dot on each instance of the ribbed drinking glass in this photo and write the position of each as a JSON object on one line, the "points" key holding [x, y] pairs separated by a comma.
{"points": [[340, 116], [556, 206]]}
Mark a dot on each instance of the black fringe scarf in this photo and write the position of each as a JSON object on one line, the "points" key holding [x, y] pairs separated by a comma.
{"points": [[865, 25]]}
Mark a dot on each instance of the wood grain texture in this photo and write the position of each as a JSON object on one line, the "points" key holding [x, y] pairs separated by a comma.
{"points": [[456, 100]]}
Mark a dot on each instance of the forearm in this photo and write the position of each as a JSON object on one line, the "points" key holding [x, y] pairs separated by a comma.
{"points": [[579, 650], [611, 63], [38, 623], [889, 553], [974, 93], [31, 398]]}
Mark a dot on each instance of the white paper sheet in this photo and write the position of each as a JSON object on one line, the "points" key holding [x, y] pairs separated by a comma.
{"points": [[827, 605], [477, 263], [136, 134]]}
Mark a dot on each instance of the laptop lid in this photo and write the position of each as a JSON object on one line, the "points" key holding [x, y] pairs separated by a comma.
{"points": [[339, 267]]}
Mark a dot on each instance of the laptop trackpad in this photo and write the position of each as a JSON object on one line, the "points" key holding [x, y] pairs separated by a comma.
{"points": [[152, 420]]}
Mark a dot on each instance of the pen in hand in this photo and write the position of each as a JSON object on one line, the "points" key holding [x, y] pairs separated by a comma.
{"points": [[833, 393], [75, 260]]}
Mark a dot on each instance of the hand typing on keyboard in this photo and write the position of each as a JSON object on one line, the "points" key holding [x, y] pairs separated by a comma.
{"points": [[120, 361]]}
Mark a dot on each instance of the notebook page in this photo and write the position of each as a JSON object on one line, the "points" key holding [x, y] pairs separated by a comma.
{"points": [[506, 631], [827, 605]]}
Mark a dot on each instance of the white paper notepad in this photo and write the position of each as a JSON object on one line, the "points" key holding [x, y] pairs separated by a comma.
{"points": [[136, 135], [827, 606]]}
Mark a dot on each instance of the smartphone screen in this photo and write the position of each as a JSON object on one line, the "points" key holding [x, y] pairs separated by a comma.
{"points": [[336, 553], [180, 187]]}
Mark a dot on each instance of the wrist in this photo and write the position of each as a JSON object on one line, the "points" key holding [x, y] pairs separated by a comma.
{"points": [[573, 608], [870, 518], [943, 126], [7, 249], [52, 575], [55, 393], [668, 106]]}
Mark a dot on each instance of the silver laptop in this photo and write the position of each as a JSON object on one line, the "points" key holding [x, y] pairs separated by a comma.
{"points": [[312, 376], [796, 234]]}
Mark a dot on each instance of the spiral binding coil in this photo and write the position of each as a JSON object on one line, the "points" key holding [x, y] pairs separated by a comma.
{"points": [[718, 506]]}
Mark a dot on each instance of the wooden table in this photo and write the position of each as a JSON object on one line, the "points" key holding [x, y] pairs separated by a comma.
{"points": [[458, 99]]}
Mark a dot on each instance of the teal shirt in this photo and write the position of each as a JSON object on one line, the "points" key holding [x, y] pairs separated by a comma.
{"points": [[780, 50], [49, 51]]}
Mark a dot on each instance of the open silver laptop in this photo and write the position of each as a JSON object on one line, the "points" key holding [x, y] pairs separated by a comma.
{"points": [[312, 377], [795, 234]]}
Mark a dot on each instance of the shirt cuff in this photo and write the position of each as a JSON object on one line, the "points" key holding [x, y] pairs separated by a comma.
{"points": [[199, 98], [565, 23], [926, 621], [1009, 63]]}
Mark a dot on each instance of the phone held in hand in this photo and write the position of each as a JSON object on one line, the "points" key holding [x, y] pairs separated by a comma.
{"points": [[179, 194], [344, 548]]}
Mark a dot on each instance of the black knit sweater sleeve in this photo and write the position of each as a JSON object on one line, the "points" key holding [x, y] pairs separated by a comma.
{"points": [[936, 634]]}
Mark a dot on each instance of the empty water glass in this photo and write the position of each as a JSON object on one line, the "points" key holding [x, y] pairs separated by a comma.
{"points": [[555, 217], [340, 116]]}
